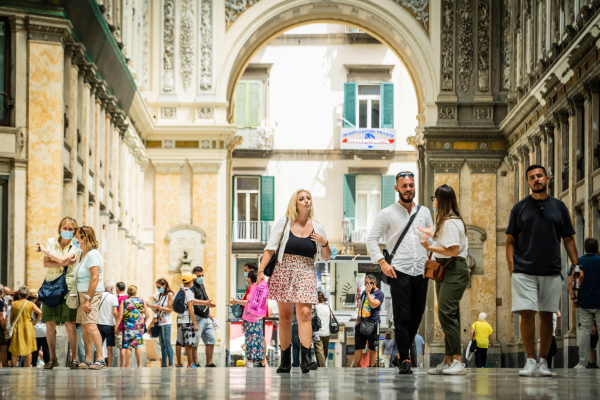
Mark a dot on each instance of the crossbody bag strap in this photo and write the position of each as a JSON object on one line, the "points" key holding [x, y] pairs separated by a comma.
{"points": [[77, 274], [281, 238], [20, 312], [405, 231]]}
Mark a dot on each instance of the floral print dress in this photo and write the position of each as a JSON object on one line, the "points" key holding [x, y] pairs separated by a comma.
{"points": [[254, 337], [134, 320]]}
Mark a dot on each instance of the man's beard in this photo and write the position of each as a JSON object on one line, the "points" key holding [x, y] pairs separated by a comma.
{"points": [[406, 200], [541, 190]]}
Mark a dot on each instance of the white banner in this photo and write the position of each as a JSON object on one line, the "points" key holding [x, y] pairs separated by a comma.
{"points": [[368, 139]]}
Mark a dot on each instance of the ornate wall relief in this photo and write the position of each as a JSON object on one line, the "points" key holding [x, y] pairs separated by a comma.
{"points": [[205, 112], [168, 78], [145, 44], [483, 45], [506, 43], [187, 43], [168, 112], [447, 113], [484, 113], [419, 9], [465, 45], [233, 9], [448, 45], [206, 45]]}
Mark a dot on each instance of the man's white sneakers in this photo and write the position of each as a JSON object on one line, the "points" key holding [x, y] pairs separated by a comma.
{"points": [[543, 368], [456, 368], [439, 369], [579, 366], [531, 368]]}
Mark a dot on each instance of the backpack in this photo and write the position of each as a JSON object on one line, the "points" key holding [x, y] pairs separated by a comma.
{"points": [[179, 305]]}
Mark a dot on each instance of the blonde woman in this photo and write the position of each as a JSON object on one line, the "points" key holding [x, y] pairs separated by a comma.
{"points": [[60, 252], [90, 288], [294, 281]]}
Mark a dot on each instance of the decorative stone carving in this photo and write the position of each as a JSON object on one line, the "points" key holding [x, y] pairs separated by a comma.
{"points": [[168, 78], [233, 9], [206, 44], [484, 113], [206, 112], [145, 44], [168, 112], [465, 44], [188, 238], [187, 43], [445, 166], [483, 45], [419, 8], [447, 113], [447, 46], [556, 21], [506, 43], [477, 237]]}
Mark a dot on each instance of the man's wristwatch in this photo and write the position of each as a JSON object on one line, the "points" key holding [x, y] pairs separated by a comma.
{"points": [[86, 296]]}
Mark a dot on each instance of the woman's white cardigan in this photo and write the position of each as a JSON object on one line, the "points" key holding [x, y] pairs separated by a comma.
{"points": [[276, 235]]}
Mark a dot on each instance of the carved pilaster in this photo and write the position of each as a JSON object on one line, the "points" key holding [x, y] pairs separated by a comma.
{"points": [[465, 45], [186, 41], [448, 45], [506, 43], [206, 45], [168, 48], [483, 45]]}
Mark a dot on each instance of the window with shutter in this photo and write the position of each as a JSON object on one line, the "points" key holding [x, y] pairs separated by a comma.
{"points": [[387, 103], [349, 201], [267, 198], [248, 104], [254, 104], [368, 201], [240, 104], [350, 104], [388, 190]]}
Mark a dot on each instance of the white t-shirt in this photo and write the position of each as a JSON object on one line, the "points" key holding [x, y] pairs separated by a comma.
{"points": [[452, 234], [165, 318], [105, 312], [185, 317], [91, 259], [324, 316]]}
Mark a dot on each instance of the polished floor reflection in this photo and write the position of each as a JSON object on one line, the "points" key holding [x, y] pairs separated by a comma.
{"points": [[330, 383]]}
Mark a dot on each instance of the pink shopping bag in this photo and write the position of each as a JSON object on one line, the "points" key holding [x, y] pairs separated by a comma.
{"points": [[257, 303]]}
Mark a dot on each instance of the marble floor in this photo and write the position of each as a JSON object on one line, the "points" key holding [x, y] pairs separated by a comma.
{"points": [[330, 383]]}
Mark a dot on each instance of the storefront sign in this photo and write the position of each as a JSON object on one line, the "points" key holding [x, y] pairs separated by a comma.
{"points": [[368, 139]]}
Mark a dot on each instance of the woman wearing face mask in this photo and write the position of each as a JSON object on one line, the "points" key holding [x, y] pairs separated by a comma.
{"points": [[164, 319], [294, 280], [60, 252], [450, 241]]}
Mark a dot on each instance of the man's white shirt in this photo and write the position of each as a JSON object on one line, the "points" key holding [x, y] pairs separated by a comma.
{"points": [[410, 257]]}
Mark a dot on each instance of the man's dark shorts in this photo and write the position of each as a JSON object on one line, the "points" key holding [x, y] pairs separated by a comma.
{"points": [[107, 332]]}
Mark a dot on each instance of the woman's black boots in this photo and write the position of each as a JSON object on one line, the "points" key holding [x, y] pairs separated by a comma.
{"points": [[286, 361], [306, 363]]}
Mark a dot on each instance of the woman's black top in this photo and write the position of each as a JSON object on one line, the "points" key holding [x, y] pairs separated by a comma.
{"points": [[300, 246]]}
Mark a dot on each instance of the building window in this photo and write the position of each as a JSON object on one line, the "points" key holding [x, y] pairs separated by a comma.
{"points": [[248, 104], [364, 197], [4, 69], [369, 105], [253, 207]]}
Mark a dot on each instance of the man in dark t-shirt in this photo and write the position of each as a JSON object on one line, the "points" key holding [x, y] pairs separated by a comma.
{"points": [[370, 306], [535, 229], [587, 298]]}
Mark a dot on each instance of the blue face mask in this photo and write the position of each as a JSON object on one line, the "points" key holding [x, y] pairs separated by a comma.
{"points": [[245, 274], [334, 252], [66, 235], [161, 290], [200, 280], [434, 209]]}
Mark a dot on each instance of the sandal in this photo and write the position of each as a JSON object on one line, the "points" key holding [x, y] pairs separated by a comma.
{"points": [[84, 365], [99, 364], [53, 362], [74, 364]]}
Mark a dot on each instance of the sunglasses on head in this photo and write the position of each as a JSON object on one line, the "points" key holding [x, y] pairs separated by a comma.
{"points": [[405, 174]]}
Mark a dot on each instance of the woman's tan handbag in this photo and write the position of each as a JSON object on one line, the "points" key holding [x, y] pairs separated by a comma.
{"points": [[435, 270], [72, 298]]}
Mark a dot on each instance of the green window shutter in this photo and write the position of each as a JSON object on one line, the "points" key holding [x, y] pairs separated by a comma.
{"points": [[240, 104], [387, 105], [350, 103], [253, 104], [350, 201], [388, 191], [267, 198]]}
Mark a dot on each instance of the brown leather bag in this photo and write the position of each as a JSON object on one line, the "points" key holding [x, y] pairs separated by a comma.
{"points": [[435, 270]]}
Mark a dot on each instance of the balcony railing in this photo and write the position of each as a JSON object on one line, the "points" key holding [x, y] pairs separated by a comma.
{"points": [[250, 231]]}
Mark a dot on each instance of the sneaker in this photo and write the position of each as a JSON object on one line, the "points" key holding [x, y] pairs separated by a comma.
{"points": [[531, 368], [211, 366], [178, 366], [543, 368], [193, 366], [405, 368], [593, 366], [579, 366], [439, 369], [456, 368]]}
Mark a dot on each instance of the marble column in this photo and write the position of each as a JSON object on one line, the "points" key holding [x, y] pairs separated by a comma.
{"points": [[563, 166], [550, 158], [588, 166], [44, 172], [525, 163]]}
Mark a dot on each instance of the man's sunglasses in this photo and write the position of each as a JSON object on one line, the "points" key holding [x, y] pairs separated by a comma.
{"points": [[404, 175], [540, 208]]}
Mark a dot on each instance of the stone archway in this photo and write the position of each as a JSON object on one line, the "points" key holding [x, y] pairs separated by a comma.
{"points": [[398, 30]]}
